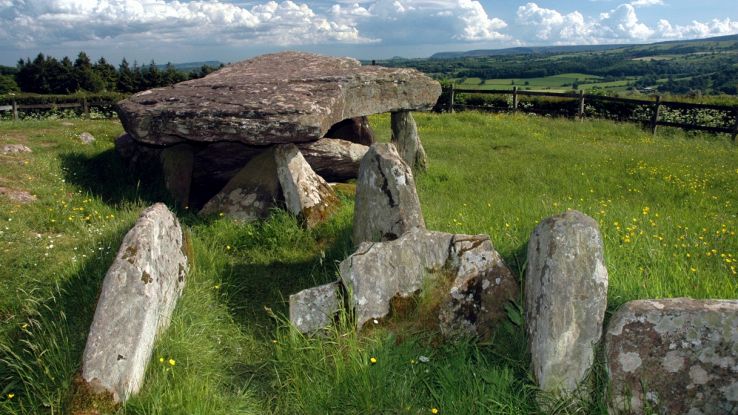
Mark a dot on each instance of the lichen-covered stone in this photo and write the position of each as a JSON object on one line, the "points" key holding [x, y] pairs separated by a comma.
{"points": [[405, 137], [334, 159], [673, 356], [387, 203], [481, 290], [380, 271], [356, 130], [565, 299], [306, 194], [15, 148], [314, 308], [251, 193], [177, 163], [285, 97], [138, 296]]}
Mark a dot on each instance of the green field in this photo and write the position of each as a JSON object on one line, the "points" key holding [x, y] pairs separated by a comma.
{"points": [[666, 207], [555, 83]]}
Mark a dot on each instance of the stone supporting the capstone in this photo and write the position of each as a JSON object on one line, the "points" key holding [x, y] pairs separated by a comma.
{"points": [[177, 163], [405, 138]]}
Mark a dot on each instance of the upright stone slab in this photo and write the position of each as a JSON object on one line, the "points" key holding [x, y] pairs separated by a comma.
{"points": [[251, 193], [306, 194], [314, 308], [177, 163], [405, 138], [482, 284], [387, 203], [565, 299], [673, 356], [138, 296]]}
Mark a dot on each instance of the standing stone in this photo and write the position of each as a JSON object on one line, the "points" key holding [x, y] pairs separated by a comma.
{"points": [[86, 138], [673, 356], [138, 296], [405, 138], [565, 299], [15, 148], [306, 194], [356, 130], [387, 203], [334, 159], [314, 308], [215, 165], [177, 163], [136, 155], [251, 193]]}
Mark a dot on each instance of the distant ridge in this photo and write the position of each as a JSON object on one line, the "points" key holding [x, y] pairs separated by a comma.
{"points": [[188, 66], [533, 50], [524, 50]]}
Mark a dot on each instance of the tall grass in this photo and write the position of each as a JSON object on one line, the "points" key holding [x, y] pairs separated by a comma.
{"points": [[666, 207]]}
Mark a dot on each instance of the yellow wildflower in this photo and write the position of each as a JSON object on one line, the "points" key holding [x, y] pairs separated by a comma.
{"points": [[373, 360], [172, 362]]}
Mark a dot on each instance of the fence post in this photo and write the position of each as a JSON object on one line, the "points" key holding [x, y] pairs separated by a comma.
{"points": [[451, 100], [15, 110], [515, 99], [581, 105], [655, 116], [735, 125], [85, 107]]}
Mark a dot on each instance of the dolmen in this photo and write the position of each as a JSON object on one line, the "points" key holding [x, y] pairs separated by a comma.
{"points": [[221, 140]]}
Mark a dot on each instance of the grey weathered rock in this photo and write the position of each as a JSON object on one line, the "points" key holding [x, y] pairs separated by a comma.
{"points": [[674, 356], [17, 196], [334, 159], [387, 203], [278, 98], [306, 194], [251, 193], [177, 163], [356, 130], [379, 271], [86, 138], [314, 308], [482, 288], [565, 298], [405, 138], [138, 296], [15, 148]]}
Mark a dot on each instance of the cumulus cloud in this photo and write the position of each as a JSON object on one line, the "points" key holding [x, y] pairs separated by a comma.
{"points": [[422, 21], [646, 3], [619, 25]]}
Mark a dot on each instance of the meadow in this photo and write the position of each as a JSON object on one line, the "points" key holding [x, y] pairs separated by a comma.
{"points": [[667, 207], [554, 83]]}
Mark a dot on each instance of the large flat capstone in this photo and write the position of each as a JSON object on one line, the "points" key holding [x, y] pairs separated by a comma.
{"points": [[138, 296], [284, 97], [673, 356]]}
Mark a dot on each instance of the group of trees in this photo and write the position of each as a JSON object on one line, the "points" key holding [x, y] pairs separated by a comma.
{"points": [[48, 75]]}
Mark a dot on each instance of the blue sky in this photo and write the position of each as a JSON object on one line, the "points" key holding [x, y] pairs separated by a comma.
{"points": [[181, 30]]}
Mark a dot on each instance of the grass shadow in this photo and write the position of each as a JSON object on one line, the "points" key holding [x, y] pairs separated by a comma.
{"points": [[106, 176]]}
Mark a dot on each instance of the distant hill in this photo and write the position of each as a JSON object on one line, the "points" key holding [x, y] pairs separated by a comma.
{"points": [[524, 50], [680, 46], [188, 66]]}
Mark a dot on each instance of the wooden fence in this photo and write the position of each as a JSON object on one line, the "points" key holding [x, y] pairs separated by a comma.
{"points": [[656, 107], [15, 107]]}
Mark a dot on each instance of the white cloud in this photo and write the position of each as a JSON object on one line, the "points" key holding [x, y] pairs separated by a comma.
{"points": [[30, 24], [647, 3], [619, 25], [422, 21]]}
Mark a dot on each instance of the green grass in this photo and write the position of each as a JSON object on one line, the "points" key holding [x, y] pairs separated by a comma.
{"points": [[554, 83], [666, 207]]}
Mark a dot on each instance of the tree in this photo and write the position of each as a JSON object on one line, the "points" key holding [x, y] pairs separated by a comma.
{"points": [[87, 78], [152, 76], [107, 74], [7, 84], [126, 78]]}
